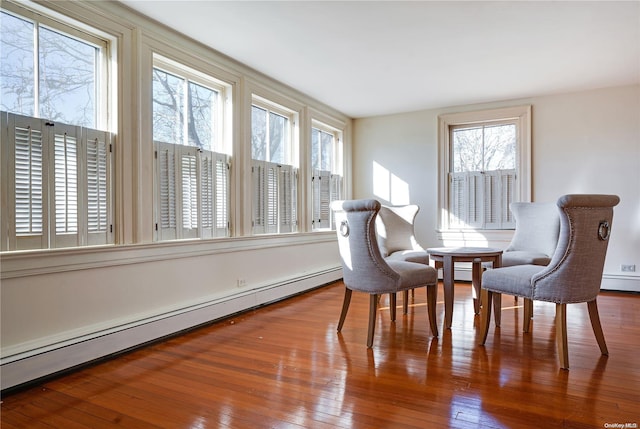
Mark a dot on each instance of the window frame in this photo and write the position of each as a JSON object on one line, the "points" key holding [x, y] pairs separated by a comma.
{"points": [[287, 180], [521, 115], [322, 217], [218, 158]]}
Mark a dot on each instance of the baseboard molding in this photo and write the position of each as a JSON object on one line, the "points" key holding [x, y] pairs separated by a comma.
{"points": [[46, 361]]}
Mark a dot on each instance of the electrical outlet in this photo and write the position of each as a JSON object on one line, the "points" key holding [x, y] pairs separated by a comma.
{"points": [[241, 283], [628, 268]]}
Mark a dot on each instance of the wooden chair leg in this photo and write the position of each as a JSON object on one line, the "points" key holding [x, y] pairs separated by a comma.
{"points": [[485, 314], [432, 297], [373, 304], [528, 314], [405, 300], [597, 328], [497, 308], [561, 335], [392, 306], [345, 307]]}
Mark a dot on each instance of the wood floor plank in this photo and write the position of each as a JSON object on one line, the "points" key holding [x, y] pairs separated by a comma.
{"points": [[285, 366]]}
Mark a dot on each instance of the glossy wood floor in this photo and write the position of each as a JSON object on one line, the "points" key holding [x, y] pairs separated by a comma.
{"points": [[284, 366]]}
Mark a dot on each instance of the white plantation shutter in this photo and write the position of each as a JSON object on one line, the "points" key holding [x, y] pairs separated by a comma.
{"points": [[57, 184], [221, 186], [65, 185], [98, 179], [189, 190], [321, 194], [336, 194], [207, 194], [288, 198], [27, 187], [166, 200], [192, 192], [481, 199], [271, 198], [275, 191]]}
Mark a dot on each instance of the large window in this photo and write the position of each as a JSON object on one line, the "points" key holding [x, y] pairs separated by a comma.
{"points": [[273, 169], [326, 163], [56, 170], [192, 168], [484, 164]]}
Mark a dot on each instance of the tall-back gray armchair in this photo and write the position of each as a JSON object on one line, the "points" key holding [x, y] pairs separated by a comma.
{"points": [[364, 268], [574, 274]]}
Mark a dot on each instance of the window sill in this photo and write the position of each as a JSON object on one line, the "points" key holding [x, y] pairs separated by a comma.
{"points": [[39, 262]]}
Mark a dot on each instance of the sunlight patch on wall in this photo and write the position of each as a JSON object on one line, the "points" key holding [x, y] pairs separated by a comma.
{"points": [[389, 187]]}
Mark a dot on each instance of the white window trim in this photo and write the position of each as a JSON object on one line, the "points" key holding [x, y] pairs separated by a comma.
{"points": [[522, 114]]}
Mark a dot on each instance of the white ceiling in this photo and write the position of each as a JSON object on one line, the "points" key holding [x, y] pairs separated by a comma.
{"points": [[372, 58]]}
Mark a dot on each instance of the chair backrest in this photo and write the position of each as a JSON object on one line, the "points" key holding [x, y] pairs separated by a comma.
{"points": [[364, 268], [537, 228], [395, 227], [575, 271]]}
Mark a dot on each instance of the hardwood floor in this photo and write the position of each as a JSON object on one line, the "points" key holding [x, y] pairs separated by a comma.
{"points": [[284, 366]]}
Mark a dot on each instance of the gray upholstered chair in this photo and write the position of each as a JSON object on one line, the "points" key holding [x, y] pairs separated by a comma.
{"points": [[536, 235], [573, 275], [365, 270], [397, 240]]}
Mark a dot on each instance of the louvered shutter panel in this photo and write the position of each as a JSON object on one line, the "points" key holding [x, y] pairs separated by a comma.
{"points": [[66, 185], [475, 203], [221, 177], [98, 187], [457, 200], [271, 202], [207, 194], [167, 217], [259, 189], [189, 190], [288, 198], [507, 192], [28, 191], [321, 199], [492, 200]]}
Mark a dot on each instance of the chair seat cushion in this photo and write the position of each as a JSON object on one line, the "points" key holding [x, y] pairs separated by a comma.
{"points": [[514, 280], [524, 257], [413, 274], [418, 256]]}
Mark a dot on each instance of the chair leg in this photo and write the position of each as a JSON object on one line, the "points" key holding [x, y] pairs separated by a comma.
{"points": [[345, 307], [561, 335], [497, 308], [485, 314], [405, 300], [373, 303], [597, 328], [432, 297], [392, 306], [528, 314]]}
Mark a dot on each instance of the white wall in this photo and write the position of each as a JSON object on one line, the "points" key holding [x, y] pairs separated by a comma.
{"points": [[587, 142]]}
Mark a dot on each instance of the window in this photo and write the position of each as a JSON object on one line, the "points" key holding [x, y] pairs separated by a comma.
{"points": [[274, 173], [57, 177], [484, 159], [52, 71], [326, 151], [192, 169], [59, 184]]}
